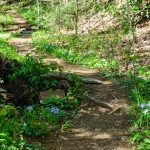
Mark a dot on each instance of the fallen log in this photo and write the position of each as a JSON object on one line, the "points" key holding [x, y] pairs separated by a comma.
{"points": [[91, 81], [65, 75]]}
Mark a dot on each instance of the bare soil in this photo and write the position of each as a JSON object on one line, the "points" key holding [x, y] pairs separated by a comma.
{"points": [[95, 127]]}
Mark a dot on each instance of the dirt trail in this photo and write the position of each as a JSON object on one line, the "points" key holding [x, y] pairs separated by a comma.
{"points": [[95, 127]]}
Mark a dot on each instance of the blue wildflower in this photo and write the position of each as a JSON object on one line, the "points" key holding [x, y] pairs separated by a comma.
{"points": [[148, 104], [64, 52], [90, 52], [142, 105], [52, 110], [29, 108], [145, 111], [70, 54], [55, 110], [83, 53]]}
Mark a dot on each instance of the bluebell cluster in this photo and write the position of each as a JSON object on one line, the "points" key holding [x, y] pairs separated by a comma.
{"points": [[55, 110], [145, 111], [90, 52], [29, 108], [142, 105], [145, 106], [70, 54]]}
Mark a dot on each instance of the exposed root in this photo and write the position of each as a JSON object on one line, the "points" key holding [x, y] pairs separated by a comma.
{"points": [[118, 108], [104, 104], [101, 103]]}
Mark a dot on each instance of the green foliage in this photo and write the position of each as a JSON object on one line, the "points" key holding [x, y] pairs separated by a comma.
{"points": [[71, 101], [31, 125], [5, 19], [8, 143], [51, 115], [31, 69], [107, 51], [141, 8], [105, 47], [61, 103], [36, 122], [131, 13], [72, 53], [8, 51], [143, 70], [29, 13], [140, 113], [55, 102], [76, 89], [33, 121], [52, 14], [10, 131], [141, 84], [15, 34], [66, 126]]}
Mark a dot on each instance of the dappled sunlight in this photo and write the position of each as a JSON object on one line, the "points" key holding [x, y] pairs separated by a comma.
{"points": [[5, 35], [97, 128], [70, 67], [102, 136], [121, 102], [23, 45], [81, 133], [18, 20], [73, 89]]}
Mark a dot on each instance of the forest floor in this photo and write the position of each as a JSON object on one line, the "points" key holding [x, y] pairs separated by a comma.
{"points": [[95, 127]]}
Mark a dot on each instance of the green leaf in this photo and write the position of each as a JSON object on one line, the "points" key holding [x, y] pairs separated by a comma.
{"points": [[147, 132], [12, 148], [146, 140], [137, 137], [46, 101], [33, 79], [3, 141], [3, 134], [3, 112]]}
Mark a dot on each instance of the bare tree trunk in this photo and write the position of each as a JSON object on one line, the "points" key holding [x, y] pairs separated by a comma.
{"points": [[59, 22], [130, 22], [38, 9], [76, 17], [132, 28]]}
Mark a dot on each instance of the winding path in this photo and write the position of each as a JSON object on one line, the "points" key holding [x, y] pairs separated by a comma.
{"points": [[95, 127]]}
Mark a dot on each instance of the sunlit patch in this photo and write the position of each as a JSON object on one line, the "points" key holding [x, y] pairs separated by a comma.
{"points": [[102, 136], [5, 35]]}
